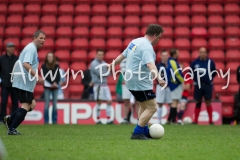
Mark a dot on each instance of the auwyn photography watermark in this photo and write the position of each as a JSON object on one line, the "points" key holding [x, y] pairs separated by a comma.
{"points": [[199, 71]]}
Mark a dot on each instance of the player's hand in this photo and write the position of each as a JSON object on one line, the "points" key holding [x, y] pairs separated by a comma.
{"points": [[54, 85], [40, 80], [162, 83]]}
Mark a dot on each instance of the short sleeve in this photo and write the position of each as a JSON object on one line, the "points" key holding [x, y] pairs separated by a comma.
{"points": [[125, 52], [29, 56], [148, 56]]}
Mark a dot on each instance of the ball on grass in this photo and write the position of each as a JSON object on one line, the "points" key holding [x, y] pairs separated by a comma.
{"points": [[156, 131]]}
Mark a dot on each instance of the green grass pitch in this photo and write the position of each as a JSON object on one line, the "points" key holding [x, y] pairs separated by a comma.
{"points": [[112, 142]]}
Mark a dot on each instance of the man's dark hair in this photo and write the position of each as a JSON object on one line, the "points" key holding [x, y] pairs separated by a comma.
{"points": [[164, 50], [100, 50], [36, 34], [154, 29], [173, 51]]}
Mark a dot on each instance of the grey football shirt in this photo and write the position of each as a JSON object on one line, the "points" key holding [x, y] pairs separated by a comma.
{"points": [[26, 82]]}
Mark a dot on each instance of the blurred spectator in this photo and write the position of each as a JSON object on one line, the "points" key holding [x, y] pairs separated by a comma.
{"points": [[237, 99], [204, 88], [174, 83], [183, 102], [119, 88], [7, 62], [51, 86], [88, 85], [162, 95], [100, 88]]}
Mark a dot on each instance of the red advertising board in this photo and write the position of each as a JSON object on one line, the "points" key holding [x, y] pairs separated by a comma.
{"points": [[85, 113]]}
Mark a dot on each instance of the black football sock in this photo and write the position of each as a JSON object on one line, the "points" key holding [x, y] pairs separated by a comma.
{"points": [[174, 114], [180, 114], [20, 116], [170, 114], [128, 116], [12, 117]]}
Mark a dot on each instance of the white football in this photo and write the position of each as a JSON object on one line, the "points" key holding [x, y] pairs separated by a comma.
{"points": [[156, 131], [187, 120]]}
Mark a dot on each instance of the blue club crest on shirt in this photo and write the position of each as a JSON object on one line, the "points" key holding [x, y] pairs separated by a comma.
{"points": [[132, 47]]}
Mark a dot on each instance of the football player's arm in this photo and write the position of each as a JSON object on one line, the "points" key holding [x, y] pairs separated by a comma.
{"points": [[175, 69], [152, 68]]}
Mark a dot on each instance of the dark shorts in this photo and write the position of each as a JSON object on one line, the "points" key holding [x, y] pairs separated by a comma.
{"points": [[142, 96], [24, 96], [205, 91]]}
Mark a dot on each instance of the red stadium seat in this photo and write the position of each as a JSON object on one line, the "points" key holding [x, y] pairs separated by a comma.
{"points": [[232, 32], [42, 55], [115, 9], [143, 31], [232, 55], [149, 2], [14, 40], [112, 89], [12, 32], [66, 9], [116, 21], [168, 32], [111, 55], [227, 111], [49, 31], [25, 42], [33, 2], [83, 9], [233, 79], [232, 89], [3, 9], [48, 21], [38, 91], [64, 32], [98, 21], [14, 20], [115, 2], [219, 81], [83, 2], [146, 20], [64, 65], [215, 21], [199, 32], [65, 21], [114, 32], [232, 43], [50, 1], [98, 32], [111, 80], [31, 20], [194, 55], [198, 43], [63, 43], [230, 1], [218, 90], [165, 20], [182, 9], [233, 66], [127, 41], [227, 99], [198, 9], [131, 1], [75, 91], [132, 21], [184, 55], [75, 80], [182, 43], [132, 9], [215, 32], [80, 43], [131, 32], [181, 1], [231, 9], [79, 56], [99, 1], [81, 32], [220, 65], [165, 43], [181, 32], [49, 9], [199, 21], [63, 55], [149, 9], [216, 43], [99, 9], [1, 35], [81, 21], [217, 55], [15, 9], [76, 66], [114, 43], [2, 20], [66, 1], [182, 21], [97, 43], [165, 9], [31, 9], [232, 20], [215, 9], [48, 44], [91, 55]]}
